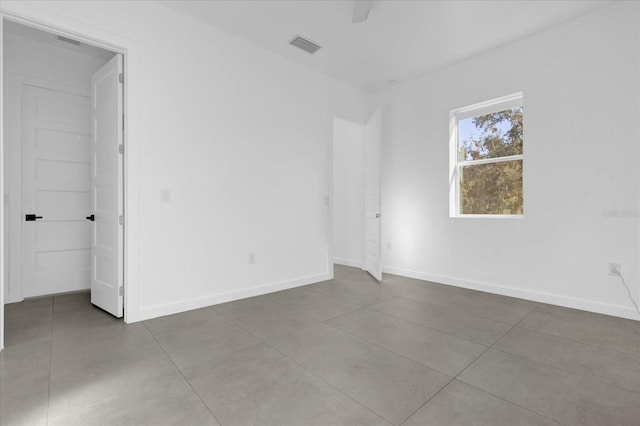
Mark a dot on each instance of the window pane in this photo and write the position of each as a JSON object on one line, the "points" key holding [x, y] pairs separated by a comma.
{"points": [[498, 134], [494, 188]]}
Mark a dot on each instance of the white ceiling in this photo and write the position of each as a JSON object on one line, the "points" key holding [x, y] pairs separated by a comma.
{"points": [[400, 40]]}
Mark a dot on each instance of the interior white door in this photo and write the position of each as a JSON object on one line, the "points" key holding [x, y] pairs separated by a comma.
{"points": [[107, 277], [372, 150], [56, 191]]}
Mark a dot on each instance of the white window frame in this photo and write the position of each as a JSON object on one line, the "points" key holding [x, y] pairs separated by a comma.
{"points": [[514, 100]]}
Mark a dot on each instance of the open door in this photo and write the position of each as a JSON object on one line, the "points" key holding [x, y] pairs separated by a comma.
{"points": [[372, 150], [107, 277]]}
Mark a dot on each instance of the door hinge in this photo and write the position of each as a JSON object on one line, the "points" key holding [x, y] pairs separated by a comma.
{"points": [[121, 78], [121, 149], [120, 291], [121, 220]]}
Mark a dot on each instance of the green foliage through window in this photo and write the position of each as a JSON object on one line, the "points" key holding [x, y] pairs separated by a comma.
{"points": [[493, 185]]}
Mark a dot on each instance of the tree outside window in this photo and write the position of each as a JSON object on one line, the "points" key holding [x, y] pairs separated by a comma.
{"points": [[489, 159]]}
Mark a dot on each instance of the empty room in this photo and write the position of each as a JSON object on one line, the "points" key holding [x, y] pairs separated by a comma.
{"points": [[320, 212]]}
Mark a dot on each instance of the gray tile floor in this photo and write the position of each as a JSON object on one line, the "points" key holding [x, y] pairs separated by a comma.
{"points": [[343, 352]]}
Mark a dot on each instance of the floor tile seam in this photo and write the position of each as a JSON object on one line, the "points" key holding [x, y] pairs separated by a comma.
{"points": [[492, 345], [241, 327], [451, 307], [265, 342], [300, 311], [427, 401], [182, 375], [573, 373], [331, 297], [280, 307], [572, 339], [430, 327], [323, 380], [591, 321], [391, 297], [340, 299], [268, 298], [635, 356], [343, 314], [457, 377], [515, 404], [365, 340]]}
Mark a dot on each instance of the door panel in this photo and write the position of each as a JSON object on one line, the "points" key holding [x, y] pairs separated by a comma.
{"points": [[56, 131], [107, 188], [373, 242]]}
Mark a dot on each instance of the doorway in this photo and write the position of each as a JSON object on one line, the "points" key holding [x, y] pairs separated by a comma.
{"points": [[63, 174], [348, 193], [356, 239]]}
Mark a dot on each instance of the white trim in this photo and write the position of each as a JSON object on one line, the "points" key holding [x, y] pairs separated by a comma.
{"points": [[488, 107], [356, 119], [466, 163], [2, 191], [494, 105], [47, 19], [348, 262], [535, 296], [488, 216], [203, 302]]}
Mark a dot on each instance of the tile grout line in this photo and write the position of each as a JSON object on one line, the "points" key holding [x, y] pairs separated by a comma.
{"points": [[305, 368], [181, 374], [456, 376], [494, 343], [430, 327], [426, 402], [568, 371], [468, 365], [391, 350], [328, 384], [452, 307], [573, 339], [402, 356], [589, 320], [496, 396], [513, 403]]}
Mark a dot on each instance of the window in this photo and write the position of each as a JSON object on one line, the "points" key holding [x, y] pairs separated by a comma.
{"points": [[486, 159]]}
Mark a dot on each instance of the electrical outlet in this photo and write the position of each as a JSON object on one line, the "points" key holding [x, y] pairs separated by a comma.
{"points": [[252, 258], [614, 269], [165, 196]]}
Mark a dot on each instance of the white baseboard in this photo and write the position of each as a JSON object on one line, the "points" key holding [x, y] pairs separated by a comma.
{"points": [[348, 262], [188, 305], [535, 296]]}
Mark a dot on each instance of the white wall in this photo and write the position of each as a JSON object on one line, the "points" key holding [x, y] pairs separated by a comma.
{"points": [[348, 193], [39, 63], [581, 101], [240, 136]]}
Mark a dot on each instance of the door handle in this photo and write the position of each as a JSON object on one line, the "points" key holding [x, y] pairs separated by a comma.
{"points": [[91, 218], [31, 217]]}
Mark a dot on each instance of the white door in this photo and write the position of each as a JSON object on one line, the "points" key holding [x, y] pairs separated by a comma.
{"points": [[372, 150], [107, 188], [56, 191]]}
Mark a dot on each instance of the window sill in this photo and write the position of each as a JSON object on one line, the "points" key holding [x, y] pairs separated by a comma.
{"points": [[487, 216]]}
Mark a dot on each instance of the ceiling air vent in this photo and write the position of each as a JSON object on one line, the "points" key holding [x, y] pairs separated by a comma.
{"points": [[304, 44], [68, 40]]}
